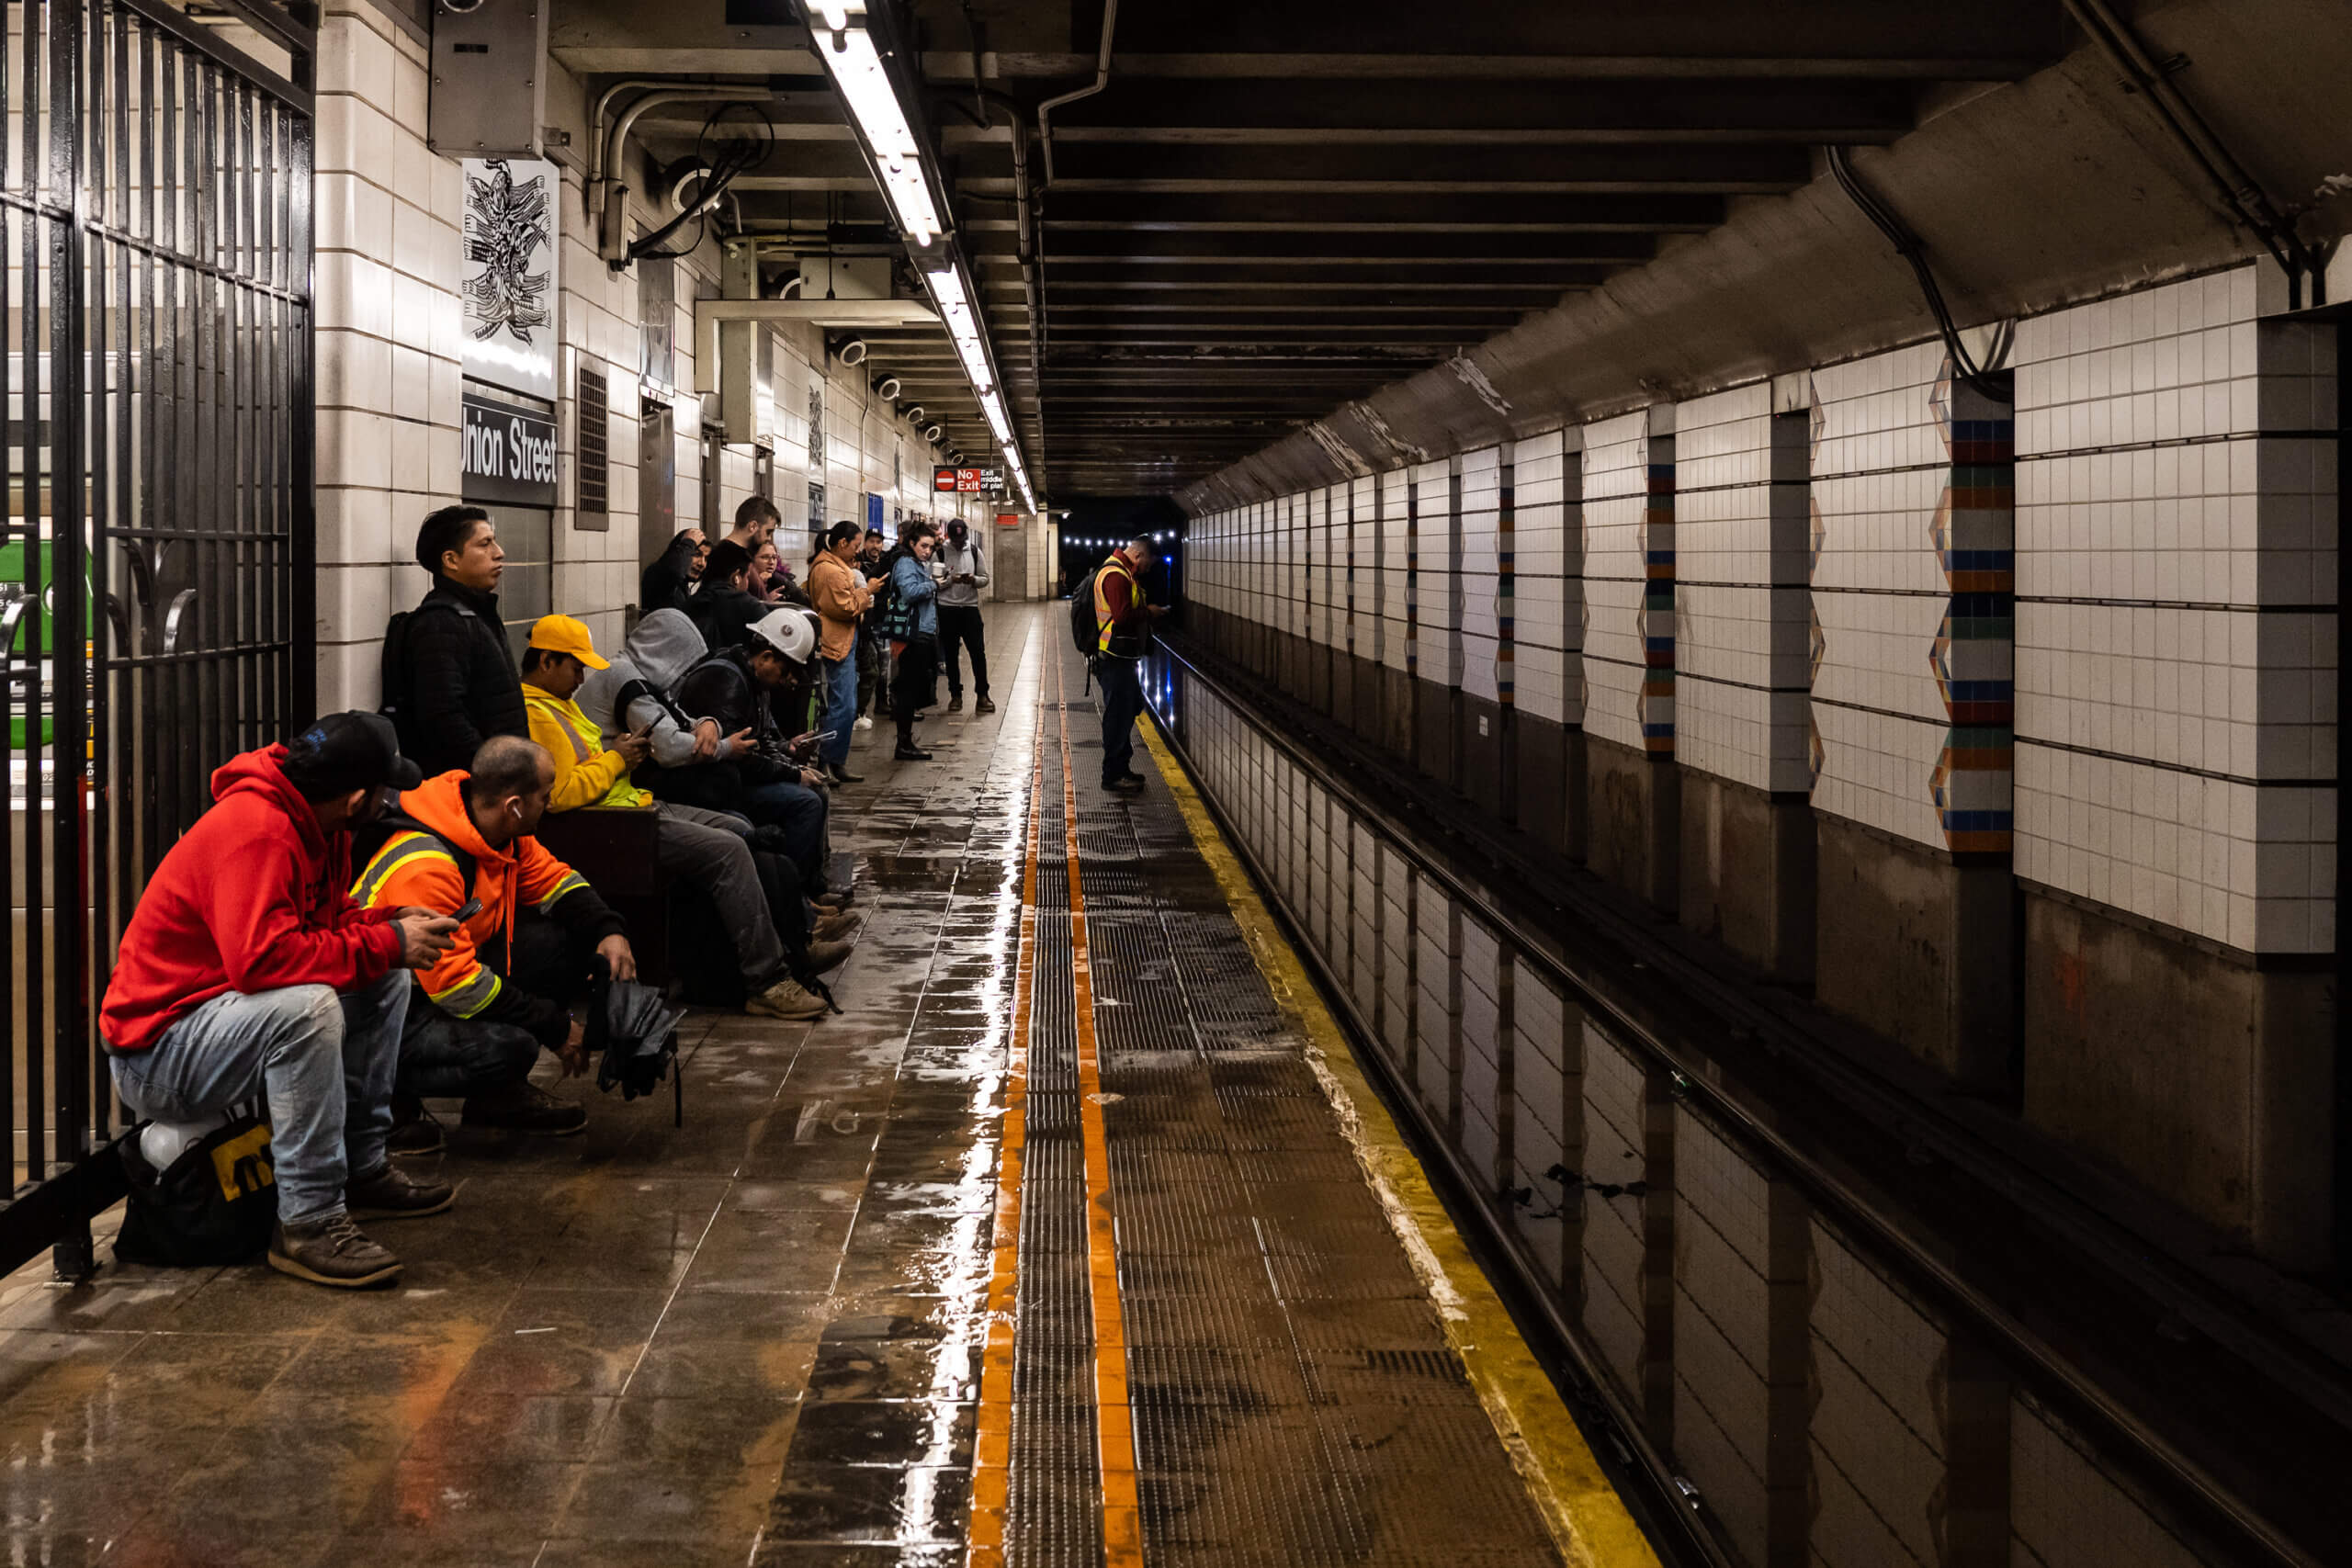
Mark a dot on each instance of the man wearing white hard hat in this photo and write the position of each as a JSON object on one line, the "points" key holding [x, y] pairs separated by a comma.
{"points": [[774, 778]]}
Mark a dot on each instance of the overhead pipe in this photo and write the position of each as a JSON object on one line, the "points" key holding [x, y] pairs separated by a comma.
{"points": [[2240, 191], [608, 206], [1101, 80]]}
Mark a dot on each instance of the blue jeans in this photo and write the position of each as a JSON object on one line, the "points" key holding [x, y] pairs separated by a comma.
{"points": [[291, 1043], [840, 704], [801, 812], [1122, 703]]}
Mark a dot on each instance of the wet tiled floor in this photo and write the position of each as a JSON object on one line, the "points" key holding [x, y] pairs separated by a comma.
{"points": [[760, 1337]]}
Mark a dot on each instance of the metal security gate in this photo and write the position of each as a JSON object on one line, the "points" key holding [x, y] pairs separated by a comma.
{"points": [[155, 579]]}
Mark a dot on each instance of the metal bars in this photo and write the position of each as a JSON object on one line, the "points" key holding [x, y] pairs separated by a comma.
{"points": [[155, 555]]}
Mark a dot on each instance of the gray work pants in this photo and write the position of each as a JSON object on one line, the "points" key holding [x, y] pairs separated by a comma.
{"points": [[706, 848]]}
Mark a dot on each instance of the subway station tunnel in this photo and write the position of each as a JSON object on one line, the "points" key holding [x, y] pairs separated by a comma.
{"points": [[1727, 951]]}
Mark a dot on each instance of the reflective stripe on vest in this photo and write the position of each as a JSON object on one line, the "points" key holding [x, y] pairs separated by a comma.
{"points": [[1136, 600]]}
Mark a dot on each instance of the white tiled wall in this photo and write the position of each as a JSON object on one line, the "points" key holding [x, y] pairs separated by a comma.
{"points": [[2176, 630], [1616, 492], [1480, 631], [1395, 638], [1548, 584], [1433, 594], [387, 354], [1879, 469], [1741, 626]]}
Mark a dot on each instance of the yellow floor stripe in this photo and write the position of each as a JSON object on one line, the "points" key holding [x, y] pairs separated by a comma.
{"points": [[1114, 1423], [992, 1451], [1585, 1515]]}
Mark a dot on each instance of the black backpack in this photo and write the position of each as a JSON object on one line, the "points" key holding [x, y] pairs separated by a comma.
{"points": [[1085, 631], [216, 1203], [394, 671]]}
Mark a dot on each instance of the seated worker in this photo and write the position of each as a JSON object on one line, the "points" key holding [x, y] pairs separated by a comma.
{"points": [[247, 969], [515, 968], [633, 694], [724, 607], [705, 850], [743, 689]]}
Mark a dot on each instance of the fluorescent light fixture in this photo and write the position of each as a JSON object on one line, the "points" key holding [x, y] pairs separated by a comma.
{"points": [[856, 70], [947, 285]]}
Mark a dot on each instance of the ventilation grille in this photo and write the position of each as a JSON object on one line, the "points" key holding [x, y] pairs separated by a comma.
{"points": [[596, 462]]}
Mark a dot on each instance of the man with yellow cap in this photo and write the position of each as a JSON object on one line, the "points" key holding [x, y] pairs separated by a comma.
{"points": [[705, 850]]}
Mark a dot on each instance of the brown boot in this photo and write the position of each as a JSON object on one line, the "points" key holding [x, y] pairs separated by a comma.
{"points": [[393, 1194], [833, 927], [330, 1250], [824, 955]]}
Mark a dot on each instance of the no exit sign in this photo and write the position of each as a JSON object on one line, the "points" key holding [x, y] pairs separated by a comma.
{"points": [[967, 481]]}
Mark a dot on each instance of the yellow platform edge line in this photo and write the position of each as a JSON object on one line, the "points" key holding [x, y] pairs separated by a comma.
{"points": [[1586, 1519]]}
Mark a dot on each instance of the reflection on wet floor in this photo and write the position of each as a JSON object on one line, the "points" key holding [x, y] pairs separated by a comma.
{"points": [[1818, 1399], [758, 1337]]}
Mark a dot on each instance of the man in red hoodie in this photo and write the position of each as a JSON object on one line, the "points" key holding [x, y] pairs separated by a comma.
{"points": [[248, 967]]}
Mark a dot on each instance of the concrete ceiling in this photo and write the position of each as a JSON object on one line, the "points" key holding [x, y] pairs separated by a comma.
{"points": [[1273, 210]]}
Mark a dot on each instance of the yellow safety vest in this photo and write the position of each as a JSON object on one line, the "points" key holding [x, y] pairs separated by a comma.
{"points": [[1117, 563]]}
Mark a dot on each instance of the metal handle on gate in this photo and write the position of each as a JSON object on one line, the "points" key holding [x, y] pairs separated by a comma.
{"points": [[174, 616]]}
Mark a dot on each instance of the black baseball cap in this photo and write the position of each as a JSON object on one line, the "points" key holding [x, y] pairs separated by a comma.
{"points": [[347, 751]]}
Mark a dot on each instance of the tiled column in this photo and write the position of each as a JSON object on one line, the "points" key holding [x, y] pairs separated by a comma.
{"points": [[1628, 653], [1544, 626], [386, 343], [2177, 704], [1396, 516], [1741, 672], [1913, 928], [1435, 555], [1479, 636]]}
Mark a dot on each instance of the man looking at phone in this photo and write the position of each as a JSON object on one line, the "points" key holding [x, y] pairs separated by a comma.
{"points": [[705, 850], [529, 932], [249, 967], [961, 569]]}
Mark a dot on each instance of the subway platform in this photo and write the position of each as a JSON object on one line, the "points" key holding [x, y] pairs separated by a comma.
{"points": [[1078, 1239]]}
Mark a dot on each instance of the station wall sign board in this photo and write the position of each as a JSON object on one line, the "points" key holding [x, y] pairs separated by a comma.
{"points": [[966, 481], [507, 454], [507, 277]]}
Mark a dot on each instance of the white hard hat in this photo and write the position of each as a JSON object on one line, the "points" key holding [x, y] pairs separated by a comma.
{"points": [[788, 631]]}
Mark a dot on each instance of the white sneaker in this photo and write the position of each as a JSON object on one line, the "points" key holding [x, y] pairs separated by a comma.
{"points": [[864, 721]]}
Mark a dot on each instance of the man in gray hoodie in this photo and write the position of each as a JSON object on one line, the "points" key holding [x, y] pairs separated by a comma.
{"points": [[961, 572]]}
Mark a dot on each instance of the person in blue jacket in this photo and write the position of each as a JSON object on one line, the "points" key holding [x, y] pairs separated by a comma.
{"points": [[918, 625]]}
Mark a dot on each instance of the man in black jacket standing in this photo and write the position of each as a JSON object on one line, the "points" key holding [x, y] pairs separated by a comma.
{"points": [[449, 677]]}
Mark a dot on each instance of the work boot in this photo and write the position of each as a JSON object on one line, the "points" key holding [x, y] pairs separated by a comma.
{"points": [[909, 751], [330, 1250], [524, 1106], [416, 1130], [833, 927], [841, 775], [787, 999], [983, 706], [824, 955], [393, 1194], [830, 899], [1125, 783], [956, 703]]}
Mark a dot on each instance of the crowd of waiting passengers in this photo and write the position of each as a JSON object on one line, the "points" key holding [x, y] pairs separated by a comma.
{"points": [[366, 919]]}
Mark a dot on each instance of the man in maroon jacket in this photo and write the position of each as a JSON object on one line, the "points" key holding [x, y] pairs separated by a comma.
{"points": [[247, 967]]}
